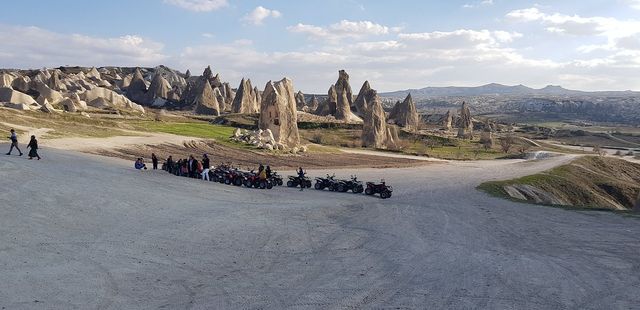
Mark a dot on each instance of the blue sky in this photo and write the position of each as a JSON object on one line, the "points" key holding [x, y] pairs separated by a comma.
{"points": [[589, 45]]}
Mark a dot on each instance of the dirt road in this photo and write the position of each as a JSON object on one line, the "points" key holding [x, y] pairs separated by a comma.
{"points": [[85, 232]]}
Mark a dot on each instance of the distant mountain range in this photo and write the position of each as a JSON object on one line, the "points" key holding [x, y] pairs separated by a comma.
{"points": [[499, 89]]}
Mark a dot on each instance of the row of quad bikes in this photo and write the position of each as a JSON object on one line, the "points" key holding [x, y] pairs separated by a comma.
{"points": [[354, 185], [233, 176]]}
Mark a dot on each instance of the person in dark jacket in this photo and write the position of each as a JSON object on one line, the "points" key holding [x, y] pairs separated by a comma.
{"points": [[33, 144], [154, 161], [193, 167], [14, 142], [301, 178], [205, 167], [169, 164], [268, 171]]}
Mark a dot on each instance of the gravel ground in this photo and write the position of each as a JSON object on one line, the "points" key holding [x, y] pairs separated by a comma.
{"points": [[80, 231]]}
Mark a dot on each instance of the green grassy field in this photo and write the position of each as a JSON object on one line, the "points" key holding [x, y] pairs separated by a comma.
{"points": [[588, 182]]}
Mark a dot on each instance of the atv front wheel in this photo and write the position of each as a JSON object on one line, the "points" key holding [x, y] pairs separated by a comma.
{"points": [[368, 191], [290, 183]]}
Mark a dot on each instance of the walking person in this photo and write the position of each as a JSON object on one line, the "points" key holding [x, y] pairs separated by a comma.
{"points": [[33, 144], [154, 161], [14, 142], [205, 167]]}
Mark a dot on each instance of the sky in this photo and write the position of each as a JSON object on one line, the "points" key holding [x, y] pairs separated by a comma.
{"points": [[395, 45]]}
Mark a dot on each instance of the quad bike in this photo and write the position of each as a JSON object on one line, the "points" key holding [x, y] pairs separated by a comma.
{"points": [[276, 179], [250, 179], [233, 177], [295, 181], [381, 188], [218, 173], [327, 182], [352, 185]]}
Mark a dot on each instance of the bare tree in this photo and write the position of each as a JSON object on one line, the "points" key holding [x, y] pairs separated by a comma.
{"points": [[598, 150], [506, 143], [524, 148]]}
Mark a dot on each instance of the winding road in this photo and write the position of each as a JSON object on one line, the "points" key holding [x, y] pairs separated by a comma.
{"points": [[85, 232]]}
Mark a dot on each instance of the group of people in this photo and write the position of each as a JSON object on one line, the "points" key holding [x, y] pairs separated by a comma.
{"points": [[187, 167], [193, 168], [33, 145]]}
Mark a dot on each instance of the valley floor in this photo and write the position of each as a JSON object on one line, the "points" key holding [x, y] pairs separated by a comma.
{"points": [[81, 231]]}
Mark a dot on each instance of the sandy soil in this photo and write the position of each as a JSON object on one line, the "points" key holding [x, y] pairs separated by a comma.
{"points": [[80, 231], [251, 159], [141, 144]]}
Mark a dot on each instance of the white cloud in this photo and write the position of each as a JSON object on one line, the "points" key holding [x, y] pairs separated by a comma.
{"points": [[33, 47], [479, 4], [577, 25], [259, 14], [343, 29], [198, 5], [208, 35], [634, 4]]}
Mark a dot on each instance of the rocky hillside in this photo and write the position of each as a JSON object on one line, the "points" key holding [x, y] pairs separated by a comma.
{"points": [[587, 182]]}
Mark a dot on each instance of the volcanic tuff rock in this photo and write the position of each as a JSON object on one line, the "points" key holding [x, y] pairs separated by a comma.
{"points": [[278, 112], [465, 123], [344, 96], [13, 96], [374, 129], [206, 102], [328, 107], [229, 95], [102, 97], [446, 121], [258, 96], [360, 105], [137, 88], [245, 99], [300, 103], [220, 99], [405, 114], [159, 89], [313, 105]]}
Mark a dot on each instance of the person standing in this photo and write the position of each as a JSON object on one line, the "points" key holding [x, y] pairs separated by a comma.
{"points": [[301, 178], [33, 144], [154, 161], [205, 167], [14, 142]]}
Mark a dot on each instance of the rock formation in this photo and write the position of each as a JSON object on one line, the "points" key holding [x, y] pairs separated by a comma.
{"points": [[446, 121], [47, 93], [344, 97], [374, 129], [206, 102], [137, 88], [220, 99], [54, 82], [158, 92], [105, 98], [313, 105], [258, 96], [486, 137], [328, 107], [13, 96], [300, 103], [278, 112], [360, 104], [229, 95], [405, 114], [465, 123], [245, 100]]}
